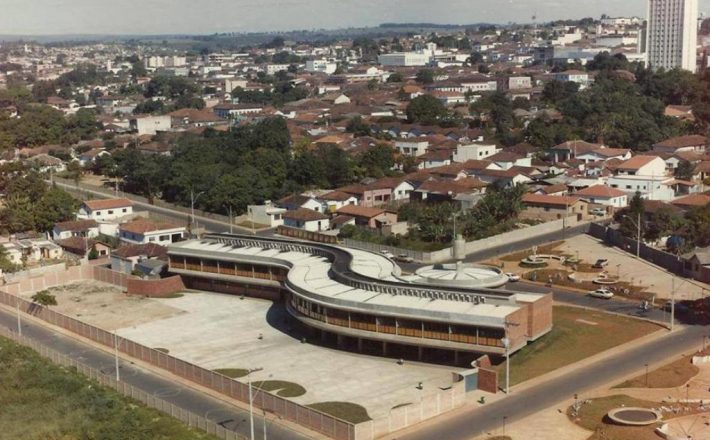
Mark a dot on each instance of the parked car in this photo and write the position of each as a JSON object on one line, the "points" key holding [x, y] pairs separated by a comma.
{"points": [[512, 277], [602, 293], [404, 258], [387, 254], [600, 263], [599, 212]]}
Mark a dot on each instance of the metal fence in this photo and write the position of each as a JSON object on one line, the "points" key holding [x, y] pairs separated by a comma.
{"points": [[310, 418], [189, 418]]}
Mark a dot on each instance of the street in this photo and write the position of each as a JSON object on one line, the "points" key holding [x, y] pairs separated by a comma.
{"points": [[480, 419], [183, 396]]}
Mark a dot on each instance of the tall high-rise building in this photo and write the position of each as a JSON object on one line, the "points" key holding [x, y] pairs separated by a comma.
{"points": [[672, 34]]}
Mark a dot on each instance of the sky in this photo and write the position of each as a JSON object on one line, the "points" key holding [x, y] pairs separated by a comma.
{"points": [[53, 17]]}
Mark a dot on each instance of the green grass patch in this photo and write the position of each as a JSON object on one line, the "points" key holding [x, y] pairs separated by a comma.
{"points": [[673, 375], [43, 401], [234, 373], [576, 334], [347, 411], [281, 387]]}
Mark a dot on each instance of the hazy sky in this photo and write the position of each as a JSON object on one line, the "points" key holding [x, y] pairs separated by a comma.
{"points": [[209, 16]]}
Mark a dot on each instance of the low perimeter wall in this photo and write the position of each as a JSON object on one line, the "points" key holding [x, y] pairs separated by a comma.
{"points": [[159, 288]]}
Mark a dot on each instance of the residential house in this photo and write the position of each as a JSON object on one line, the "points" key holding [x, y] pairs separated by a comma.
{"points": [[576, 76], [297, 201], [507, 159], [464, 153], [335, 200], [125, 258], [105, 210], [143, 231], [81, 246], [692, 201], [232, 111], [411, 147], [32, 251], [643, 174], [150, 124], [697, 264], [604, 154], [693, 142], [75, 228], [306, 219], [538, 206], [448, 190], [604, 195], [571, 149], [373, 218], [368, 195], [267, 214]]}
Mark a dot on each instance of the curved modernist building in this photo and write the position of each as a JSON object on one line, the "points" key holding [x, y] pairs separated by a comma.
{"points": [[359, 294]]}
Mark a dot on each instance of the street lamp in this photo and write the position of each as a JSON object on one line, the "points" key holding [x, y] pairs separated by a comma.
{"points": [[251, 406], [646, 365], [193, 199], [19, 322], [506, 344], [115, 352], [638, 233]]}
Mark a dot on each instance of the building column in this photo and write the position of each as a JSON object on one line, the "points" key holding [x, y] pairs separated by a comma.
{"points": [[359, 345], [420, 353], [384, 348], [323, 336], [456, 357], [340, 341]]}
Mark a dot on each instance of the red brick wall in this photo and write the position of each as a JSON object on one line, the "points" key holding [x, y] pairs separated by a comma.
{"points": [[155, 288], [487, 380], [540, 318]]}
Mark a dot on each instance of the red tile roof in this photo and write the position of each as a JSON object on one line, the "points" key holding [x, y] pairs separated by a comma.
{"points": [[543, 199], [600, 191], [95, 205], [304, 215], [141, 226], [360, 211], [635, 162]]}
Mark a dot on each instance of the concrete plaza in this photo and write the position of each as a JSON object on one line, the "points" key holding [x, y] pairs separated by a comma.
{"points": [[224, 331]]}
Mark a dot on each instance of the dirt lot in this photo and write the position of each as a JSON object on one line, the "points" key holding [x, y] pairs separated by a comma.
{"points": [[106, 306]]}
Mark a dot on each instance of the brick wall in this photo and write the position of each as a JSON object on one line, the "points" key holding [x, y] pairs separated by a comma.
{"points": [[539, 317], [155, 288], [488, 380]]}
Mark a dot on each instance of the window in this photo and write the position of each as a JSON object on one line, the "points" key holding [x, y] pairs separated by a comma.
{"points": [[164, 238], [151, 239], [125, 210], [110, 212]]}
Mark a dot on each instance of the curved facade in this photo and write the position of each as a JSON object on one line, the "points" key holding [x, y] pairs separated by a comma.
{"points": [[359, 294]]}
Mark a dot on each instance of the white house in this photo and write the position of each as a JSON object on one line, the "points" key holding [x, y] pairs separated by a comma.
{"points": [[412, 147], [306, 219], [642, 166], [142, 231], [151, 124], [323, 66], [76, 228], [604, 195], [266, 214], [105, 210], [474, 151], [645, 174], [576, 76], [605, 154], [335, 200]]}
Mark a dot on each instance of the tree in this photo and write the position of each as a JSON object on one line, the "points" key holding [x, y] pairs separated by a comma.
{"points": [[44, 298], [357, 127], [425, 76], [377, 161], [555, 91], [93, 253], [426, 109], [684, 170], [632, 217], [396, 77]]}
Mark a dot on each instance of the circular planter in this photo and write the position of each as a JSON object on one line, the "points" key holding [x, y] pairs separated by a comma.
{"points": [[634, 416]]}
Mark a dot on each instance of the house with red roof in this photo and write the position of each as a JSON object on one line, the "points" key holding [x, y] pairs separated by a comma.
{"points": [[105, 210], [144, 231], [544, 207], [604, 195]]}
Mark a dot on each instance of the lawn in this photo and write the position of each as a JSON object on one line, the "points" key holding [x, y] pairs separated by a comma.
{"points": [[673, 375], [281, 387], [576, 334], [592, 416], [347, 411], [41, 401], [234, 373]]}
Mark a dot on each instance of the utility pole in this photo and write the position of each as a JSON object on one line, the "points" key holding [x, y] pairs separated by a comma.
{"points": [[506, 344], [193, 198], [251, 412], [231, 231], [638, 236]]}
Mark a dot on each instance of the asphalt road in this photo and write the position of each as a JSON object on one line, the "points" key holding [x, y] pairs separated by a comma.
{"points": [[486, 418], [178, 217], [621, 306], [228, 416]]}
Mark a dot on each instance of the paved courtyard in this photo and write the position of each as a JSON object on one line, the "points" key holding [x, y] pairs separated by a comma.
{"points": [[654, 278], [223, 331]]}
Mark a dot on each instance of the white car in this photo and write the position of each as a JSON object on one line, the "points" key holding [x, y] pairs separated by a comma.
{"points": [[512, 277], [387, 254], [602, 293]]}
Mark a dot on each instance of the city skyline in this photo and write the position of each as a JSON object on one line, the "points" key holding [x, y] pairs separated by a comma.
{"points": [[60, 17]]}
